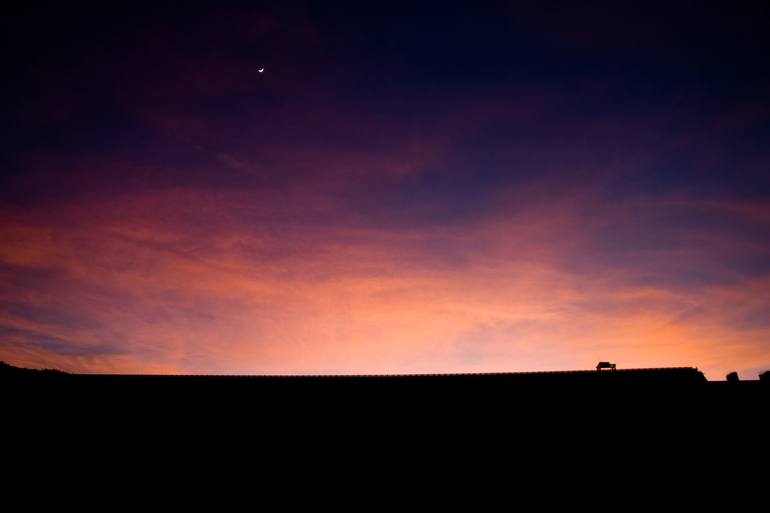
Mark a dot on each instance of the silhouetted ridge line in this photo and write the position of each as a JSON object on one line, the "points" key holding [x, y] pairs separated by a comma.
{"points": [[416, 375], [663, 374]]}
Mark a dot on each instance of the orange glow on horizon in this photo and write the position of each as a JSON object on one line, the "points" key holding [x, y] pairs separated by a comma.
{"points": [[151, 293]]}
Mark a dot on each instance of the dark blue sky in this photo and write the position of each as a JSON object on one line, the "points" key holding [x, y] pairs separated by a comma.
{"points": [[570, 180]]}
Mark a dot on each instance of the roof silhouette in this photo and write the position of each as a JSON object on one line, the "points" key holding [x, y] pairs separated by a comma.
{"points": [[650, 375]]}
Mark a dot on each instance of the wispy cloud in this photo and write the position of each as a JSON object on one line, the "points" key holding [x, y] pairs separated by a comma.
{"points": [[251, 291], [342, 213]]}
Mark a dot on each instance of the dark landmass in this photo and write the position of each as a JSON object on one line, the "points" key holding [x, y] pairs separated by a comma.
{"points": [[605, 389], [616, 418], [675, 376]]}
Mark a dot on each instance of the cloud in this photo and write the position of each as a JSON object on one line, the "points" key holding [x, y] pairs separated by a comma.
{"points": [[225, 222], [202, 281]]}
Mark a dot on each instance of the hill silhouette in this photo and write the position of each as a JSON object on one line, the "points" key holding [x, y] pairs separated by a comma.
{"points": [[660, 412], [570, 388], [651, 377]]}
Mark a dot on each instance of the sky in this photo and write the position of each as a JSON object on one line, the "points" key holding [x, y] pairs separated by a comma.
{"points": [[447, 187]]}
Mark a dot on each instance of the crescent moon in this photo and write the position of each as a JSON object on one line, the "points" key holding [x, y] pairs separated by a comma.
{"points": [[261, 70]]}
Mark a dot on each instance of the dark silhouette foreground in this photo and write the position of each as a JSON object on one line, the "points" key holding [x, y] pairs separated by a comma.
{"points": [[606, 375], [605, 389], [653, 413]]}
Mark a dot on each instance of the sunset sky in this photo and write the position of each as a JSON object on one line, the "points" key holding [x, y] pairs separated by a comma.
{"points": [[402, 190]]}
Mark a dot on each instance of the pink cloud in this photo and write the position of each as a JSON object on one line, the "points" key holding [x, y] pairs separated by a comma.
{"points": [[142, 288]]}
